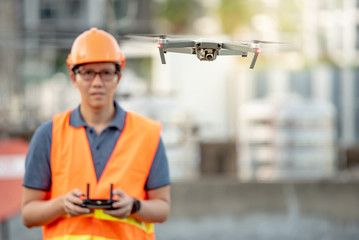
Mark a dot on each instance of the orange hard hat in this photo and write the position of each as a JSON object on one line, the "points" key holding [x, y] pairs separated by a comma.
{"points": [[95, 45]]}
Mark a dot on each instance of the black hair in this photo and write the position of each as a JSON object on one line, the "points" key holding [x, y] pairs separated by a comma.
{"points": [[117, 65]]}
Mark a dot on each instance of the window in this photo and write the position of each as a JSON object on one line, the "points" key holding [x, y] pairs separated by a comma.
{"points": [[356, 103], [47, 9], [74, 7], [120, 8], [260, 89], [337, 98], [357, 38], [300, 82]]}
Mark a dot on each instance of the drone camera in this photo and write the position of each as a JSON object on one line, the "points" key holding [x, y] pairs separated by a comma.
{"points": [[209, 57], [207, 54]]}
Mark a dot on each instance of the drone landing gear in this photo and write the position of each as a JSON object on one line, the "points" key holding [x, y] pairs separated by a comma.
{"points": [[254, 60]]}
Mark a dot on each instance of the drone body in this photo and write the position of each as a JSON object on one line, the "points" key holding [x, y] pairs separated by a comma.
{"points": [[205, 50]]}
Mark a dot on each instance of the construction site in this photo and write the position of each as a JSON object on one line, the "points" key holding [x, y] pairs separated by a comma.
{"points": [[264, 153]]}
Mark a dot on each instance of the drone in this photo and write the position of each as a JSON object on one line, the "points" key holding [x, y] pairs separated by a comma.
{"points": [[205, 50]]}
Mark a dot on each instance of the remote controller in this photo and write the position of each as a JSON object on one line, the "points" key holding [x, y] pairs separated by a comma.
{"points": [[98, 203]]}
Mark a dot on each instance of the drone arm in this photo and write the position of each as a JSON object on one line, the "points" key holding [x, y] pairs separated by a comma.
{"points": [[175, 46], [162, 55], [178, 44], [180, 50], [231, 52], [254, 60], [237, 47]]}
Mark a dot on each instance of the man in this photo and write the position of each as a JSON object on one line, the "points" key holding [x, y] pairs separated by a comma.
{"points": [[98, 144]]}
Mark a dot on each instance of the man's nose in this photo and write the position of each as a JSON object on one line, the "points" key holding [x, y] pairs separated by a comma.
{"points": [[97, 79]]}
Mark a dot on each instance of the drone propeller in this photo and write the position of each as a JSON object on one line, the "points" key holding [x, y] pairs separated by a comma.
{"points": [[163, 36], [137, 38], [258, 42], [156, 36], [268, 42]]}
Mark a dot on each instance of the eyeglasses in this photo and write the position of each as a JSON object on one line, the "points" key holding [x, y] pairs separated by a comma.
{"points": [[89, 75]]}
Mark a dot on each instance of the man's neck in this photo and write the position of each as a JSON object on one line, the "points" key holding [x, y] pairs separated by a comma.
{"points": [[99, 118]]}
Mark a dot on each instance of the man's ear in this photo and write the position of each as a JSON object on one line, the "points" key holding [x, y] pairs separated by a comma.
{"points": [[73, 79], [119, 75]]}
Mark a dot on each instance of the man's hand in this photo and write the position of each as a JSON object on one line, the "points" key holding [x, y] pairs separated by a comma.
{"points": [[38, 210], [155, 208], [71, 202], [123, 206]]}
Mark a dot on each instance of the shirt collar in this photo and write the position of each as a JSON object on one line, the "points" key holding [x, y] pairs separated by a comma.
{"points": [[118, 121]]}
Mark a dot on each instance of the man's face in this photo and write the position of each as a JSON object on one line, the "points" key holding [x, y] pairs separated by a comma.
{"points": [[97, 83]]}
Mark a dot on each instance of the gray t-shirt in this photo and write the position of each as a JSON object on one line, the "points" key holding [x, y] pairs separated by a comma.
{"points": [[38, 169]]}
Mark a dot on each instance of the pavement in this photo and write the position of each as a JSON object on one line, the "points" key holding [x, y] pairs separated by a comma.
{"points": [[226, 209], [253, 227]]}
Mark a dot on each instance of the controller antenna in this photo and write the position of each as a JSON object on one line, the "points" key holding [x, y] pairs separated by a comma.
{"points": [[111, 194], [88, 191]]}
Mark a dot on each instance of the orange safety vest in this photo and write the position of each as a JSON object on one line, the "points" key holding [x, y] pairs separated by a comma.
{"points": [[128, 167]]}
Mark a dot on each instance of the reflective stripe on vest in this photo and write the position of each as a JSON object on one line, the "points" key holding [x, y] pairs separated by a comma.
{"points": [[79, 237], [128, 167]]}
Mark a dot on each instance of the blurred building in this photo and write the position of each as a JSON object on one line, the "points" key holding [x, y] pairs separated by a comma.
{"points": [[10, 55], [36, 36], [322, 67], [198, 102], [287, 139]]}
